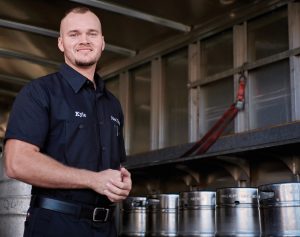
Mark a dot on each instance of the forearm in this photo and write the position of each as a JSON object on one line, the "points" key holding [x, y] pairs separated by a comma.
{"points": [[37, 169], [24, 161], [49, 173]]}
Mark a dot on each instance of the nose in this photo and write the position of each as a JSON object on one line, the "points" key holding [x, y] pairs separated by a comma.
{"points": [[84, 38]]}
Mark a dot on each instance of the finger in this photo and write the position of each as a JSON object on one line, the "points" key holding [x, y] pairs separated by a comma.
{"points": [[126, 176], [125, 172], [125, 185], [114, 196], [120, 189], [128, 182], [111, 197]]}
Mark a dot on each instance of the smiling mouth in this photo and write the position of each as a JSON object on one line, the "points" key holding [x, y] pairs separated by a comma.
{"points": [[84, 50]]}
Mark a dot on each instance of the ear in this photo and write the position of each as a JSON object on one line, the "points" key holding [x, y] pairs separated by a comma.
{"points": [[60, 44], [103, 43]]}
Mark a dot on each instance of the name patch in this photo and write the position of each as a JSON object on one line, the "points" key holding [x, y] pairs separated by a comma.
{"points": [[80, 114]]}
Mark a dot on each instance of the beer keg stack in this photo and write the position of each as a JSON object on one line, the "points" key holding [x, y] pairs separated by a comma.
{"points": [[14, 202], [265, 211]]}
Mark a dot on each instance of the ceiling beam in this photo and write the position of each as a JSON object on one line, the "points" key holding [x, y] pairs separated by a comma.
{"points": [[134, 13], [28, 57], [120, 50], [216, 25], [55, 34], [28, 28], [13, 79], [8, 93]]}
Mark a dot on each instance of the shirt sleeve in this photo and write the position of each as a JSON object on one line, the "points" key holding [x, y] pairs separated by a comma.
{"points": [[28, 120]]}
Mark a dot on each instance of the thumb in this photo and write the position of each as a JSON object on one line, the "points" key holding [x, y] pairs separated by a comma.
{"points": [[125, 172]]}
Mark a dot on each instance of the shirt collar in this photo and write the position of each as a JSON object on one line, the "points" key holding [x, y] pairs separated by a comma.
{"points": [[77, 81]]}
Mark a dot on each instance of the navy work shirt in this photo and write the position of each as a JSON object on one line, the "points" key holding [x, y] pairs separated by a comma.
{"points": [[71, 122]]}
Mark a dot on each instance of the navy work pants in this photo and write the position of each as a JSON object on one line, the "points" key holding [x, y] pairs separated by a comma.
{"points": [[45, 223]]}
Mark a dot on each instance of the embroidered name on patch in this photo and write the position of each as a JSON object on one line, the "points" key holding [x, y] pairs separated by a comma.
{"points": [[115, 120], [80, 114]]}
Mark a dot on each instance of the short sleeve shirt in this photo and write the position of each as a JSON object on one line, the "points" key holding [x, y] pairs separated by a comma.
{"points": [[70, 121]]}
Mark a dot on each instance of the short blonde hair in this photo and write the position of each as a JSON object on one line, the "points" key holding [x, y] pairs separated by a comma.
{"points": [[80, 10], [77, 10]]}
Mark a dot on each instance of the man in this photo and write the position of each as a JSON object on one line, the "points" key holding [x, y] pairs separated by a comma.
{"points": [[64, 137]]}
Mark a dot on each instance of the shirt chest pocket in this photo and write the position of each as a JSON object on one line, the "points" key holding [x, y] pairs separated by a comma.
{"points": [[82, 144]]}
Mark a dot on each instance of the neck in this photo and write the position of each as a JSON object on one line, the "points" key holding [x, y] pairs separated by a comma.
{"points": [[88, 71]]}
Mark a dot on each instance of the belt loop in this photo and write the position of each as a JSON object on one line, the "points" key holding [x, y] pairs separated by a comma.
{"points": [[32, 200]]}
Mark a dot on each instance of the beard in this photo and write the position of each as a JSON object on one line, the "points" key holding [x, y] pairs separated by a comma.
{"points": [[81, 63], [86, 60]]}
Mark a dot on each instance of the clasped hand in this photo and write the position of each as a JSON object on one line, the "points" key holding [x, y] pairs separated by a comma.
{"points": [[115, 184]]}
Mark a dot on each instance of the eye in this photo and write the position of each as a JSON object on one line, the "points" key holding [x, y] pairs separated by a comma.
{"points": [[93, 34], [73, 34]]}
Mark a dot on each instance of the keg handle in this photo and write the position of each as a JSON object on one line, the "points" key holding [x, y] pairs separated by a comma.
{"points": [[141, 203], [137, 203], [152, 202], [266, 195]]}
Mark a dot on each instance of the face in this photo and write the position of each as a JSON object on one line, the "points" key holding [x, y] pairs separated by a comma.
{"points": [[81, 39]]}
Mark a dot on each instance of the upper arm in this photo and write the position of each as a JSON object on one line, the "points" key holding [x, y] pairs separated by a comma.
{"points": [[28, 120]]}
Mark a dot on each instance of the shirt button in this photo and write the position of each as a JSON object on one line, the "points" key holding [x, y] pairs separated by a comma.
{"points": [[103, 148], [101, 122], [81, 125]]}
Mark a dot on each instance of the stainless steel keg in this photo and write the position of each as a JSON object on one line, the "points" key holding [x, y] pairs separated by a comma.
{"points": [[280, 209], [133, 216], [14, 202], [237, 212], [163, 215], [197, 214]]}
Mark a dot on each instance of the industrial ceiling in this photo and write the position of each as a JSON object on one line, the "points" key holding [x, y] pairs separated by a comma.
{"points": [[29, 30]]}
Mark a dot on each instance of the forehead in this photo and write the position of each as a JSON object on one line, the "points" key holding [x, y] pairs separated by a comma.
{"points": [[80, 21]]}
